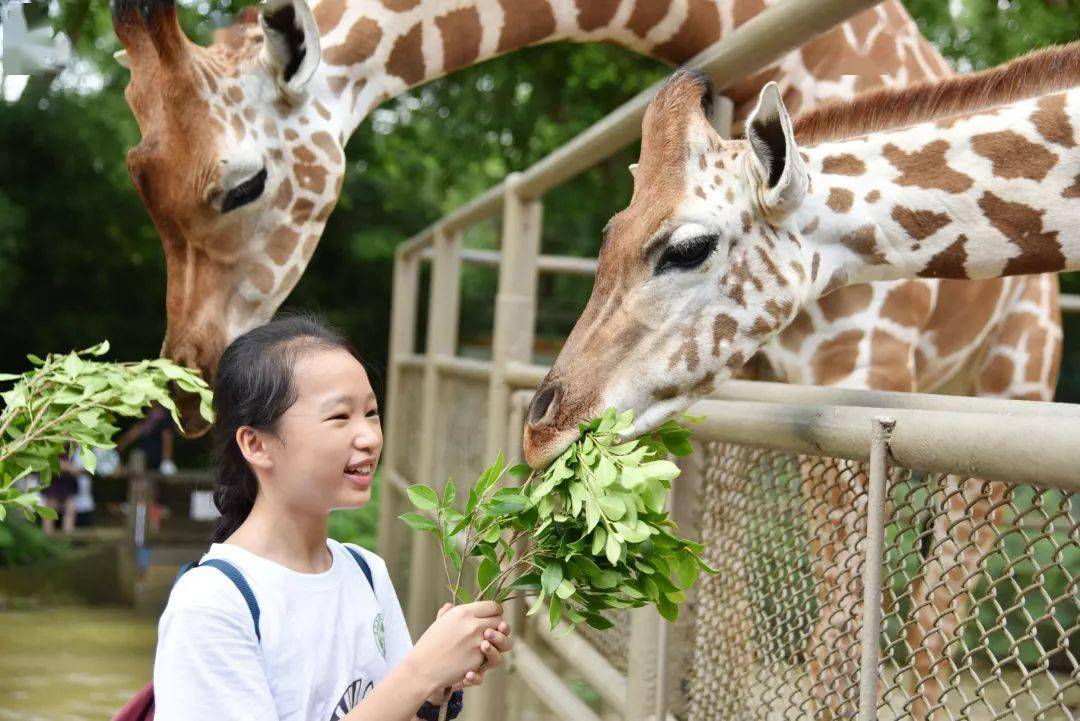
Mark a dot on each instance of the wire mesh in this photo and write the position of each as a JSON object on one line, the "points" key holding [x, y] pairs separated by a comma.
{"points": [[980, 594]]}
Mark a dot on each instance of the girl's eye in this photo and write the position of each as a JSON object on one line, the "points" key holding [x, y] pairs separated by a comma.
{"points": [[342, 416], [373, 413], [688, 254]]}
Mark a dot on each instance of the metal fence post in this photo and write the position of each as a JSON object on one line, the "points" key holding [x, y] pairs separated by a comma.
{"points": [[512, 340], [872, 568], [426, 589], [402, 340]]}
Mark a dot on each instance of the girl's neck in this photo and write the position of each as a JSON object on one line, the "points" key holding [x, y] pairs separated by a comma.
{"points": [[285, 535]]}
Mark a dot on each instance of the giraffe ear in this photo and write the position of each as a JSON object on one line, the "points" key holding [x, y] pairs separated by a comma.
{"points": [[772, 138], [291, 48]]}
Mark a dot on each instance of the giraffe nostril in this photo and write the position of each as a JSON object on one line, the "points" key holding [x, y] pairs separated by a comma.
{"points": [[544, 403]]}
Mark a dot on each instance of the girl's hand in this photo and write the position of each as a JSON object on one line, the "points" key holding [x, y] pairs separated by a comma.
{"points": [[497, 642], [455, 644]]}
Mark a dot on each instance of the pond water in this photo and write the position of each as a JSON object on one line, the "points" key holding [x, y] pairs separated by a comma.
{"points": [[72, 663]]}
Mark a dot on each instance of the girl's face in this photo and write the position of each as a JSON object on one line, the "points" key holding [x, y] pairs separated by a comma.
{"points": [[328, 442]]}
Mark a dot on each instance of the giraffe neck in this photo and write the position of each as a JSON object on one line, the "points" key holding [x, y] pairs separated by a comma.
{"points": [[990, 194]]}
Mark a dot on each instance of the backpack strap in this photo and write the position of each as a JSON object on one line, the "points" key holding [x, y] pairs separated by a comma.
{"points": [[362, 562], [234, 575]]}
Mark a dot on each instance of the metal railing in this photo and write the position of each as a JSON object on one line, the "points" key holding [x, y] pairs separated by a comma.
{"points": [[775, 635]]}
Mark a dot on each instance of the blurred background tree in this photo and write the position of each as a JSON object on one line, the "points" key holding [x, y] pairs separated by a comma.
{"points": [[76, 245]]}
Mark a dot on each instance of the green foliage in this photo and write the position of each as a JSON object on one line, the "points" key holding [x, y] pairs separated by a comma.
{"points": [[23, 542], [597, 535], [72, 399]]}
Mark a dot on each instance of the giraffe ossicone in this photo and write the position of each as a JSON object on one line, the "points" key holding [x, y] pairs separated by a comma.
{"points": [[725, 241]]}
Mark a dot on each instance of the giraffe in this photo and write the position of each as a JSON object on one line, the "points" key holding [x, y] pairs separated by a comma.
{"points": [[725, 242], [241, 159]]}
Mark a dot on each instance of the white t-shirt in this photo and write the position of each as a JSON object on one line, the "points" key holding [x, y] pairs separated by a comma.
{"points": [[326, 640]]}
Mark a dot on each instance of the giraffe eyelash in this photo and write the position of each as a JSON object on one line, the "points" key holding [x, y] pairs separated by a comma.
{"points": [[687, 254]]}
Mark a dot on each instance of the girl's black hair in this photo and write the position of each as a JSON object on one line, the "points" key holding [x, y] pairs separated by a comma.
{"points": [[254, 387]]}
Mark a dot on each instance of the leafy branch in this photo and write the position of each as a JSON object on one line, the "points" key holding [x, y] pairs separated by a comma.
{"points": [[598, 537], [73, 399]]}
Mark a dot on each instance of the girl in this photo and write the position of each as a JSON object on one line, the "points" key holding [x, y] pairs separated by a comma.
{"points": [[298, 435]]}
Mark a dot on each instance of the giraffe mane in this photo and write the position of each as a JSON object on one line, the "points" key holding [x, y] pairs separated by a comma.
{"points": [[1037, 73]]}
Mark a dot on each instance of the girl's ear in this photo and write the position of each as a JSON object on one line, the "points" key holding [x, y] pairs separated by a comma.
{"points": [[253, 446]]}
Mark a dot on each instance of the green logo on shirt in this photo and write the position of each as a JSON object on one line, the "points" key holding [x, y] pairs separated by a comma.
{"points": [[377, 629]]}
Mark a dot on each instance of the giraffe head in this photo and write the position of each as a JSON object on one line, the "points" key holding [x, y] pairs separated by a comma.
{"points": [[228, 166], [694, 276]]}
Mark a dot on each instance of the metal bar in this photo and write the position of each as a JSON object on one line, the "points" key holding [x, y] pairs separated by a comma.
{"points": [[976, 445], [872, 568], [566, 264], [528, 375], [586, 660], [548, 687], [1070, 303]]}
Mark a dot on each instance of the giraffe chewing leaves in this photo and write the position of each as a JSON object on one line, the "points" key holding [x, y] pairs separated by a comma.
{"points": [[595, 530]]}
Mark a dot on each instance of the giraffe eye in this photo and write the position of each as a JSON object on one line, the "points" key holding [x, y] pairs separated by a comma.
{"points": [[687, 254], [245, 192]]}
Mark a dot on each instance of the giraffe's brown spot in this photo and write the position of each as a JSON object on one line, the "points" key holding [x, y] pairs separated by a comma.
{"points": [[400, 6], [840, 199], [461, 34], [761, 327], [1052, 121], [301, 211], [810, 227], [233, 95], [907, 304], [291, 134], [724, 329], [699, 192], [703, 162], [211, 81], [322, 110], [793, 336], [846, 302], [843, 164], [873, 196], [285, 193], [270, 128], [1013, 155], [326, 143], [359, 45], [889, 366], [311, 178], [793, 239], [1040, 251], [836, 357], [309, 245], [688, 353], [281, 244], [718, 163], [814, 265], [730, 194], [1036, 344], [746, 9], [304, 155], [237, 125], [262, 278], [666, 393], [700, 30], [746, 221], [645, 16], [998, 375], [593, 14], [324, 212], [525, 22], [949, 263], [770, 266], [249, 114], [1073, 191], [926, 168], [328, 14], [407, 56], [735, 362], [703, 385], [338, 84], [919, 224], [838, 279], [953, 332], [290, 278], [863, 241], [778, 309], [799, 270]]}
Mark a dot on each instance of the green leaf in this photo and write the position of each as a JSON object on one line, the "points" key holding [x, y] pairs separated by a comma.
{"points": [[521, 470], [686, 571], [423, 497], [605, 472], [612, 506], [613, 549], [448, 493], [418, 522], [43, 511], [552, 577], [599, 539], [660, 470], [537, 605], [555, 611], [599, 622], [565, 590], [486, 572]]}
